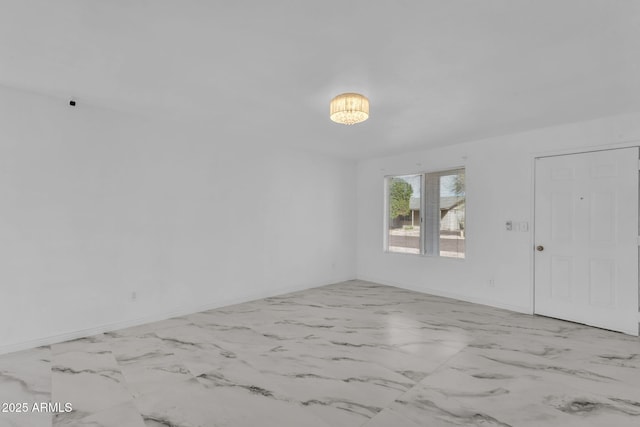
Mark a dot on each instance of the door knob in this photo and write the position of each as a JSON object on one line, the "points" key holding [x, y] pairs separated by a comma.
{"points": [[539, 248]]}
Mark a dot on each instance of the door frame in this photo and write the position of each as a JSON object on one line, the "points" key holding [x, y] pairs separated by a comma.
{"points": [[564, 152]]}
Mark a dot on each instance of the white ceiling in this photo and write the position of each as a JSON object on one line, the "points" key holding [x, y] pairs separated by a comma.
{"points": [[436, 72]]}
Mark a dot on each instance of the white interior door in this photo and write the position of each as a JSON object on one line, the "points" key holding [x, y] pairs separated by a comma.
{"points": [[586, 237]]}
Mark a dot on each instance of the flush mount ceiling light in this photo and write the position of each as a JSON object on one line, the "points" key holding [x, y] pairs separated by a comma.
{"points": [[349, 108]]}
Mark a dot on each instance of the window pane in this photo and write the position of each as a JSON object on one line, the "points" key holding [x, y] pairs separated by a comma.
{"points": [[404, 214], [452, 214]]}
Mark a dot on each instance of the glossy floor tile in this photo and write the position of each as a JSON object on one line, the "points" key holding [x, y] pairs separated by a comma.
{"points": [[350, 354]]}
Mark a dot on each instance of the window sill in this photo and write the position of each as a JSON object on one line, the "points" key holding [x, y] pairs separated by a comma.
{"points": [[424, 255]]}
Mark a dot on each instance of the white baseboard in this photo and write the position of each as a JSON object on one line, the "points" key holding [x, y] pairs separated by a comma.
{"points": [[82, 333], [452, 295]]}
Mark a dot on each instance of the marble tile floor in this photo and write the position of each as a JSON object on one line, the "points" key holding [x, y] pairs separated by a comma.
{"points": [[349, 354]]}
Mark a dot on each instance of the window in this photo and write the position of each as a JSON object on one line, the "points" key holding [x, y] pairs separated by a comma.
{"points": [[404, 207], [426, 214]]}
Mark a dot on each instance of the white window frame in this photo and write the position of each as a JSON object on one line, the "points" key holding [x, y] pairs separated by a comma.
{"points": [[429, 208]]}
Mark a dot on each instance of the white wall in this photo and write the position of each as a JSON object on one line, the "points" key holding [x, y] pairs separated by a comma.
{"points": [[499, 188], [97, 204]]}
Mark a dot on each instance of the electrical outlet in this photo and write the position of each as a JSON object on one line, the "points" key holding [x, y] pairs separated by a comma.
{"points": [[508, 225], [492, 283]]}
